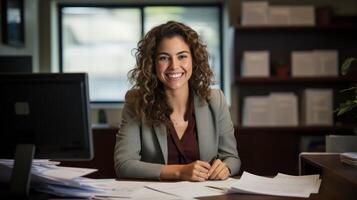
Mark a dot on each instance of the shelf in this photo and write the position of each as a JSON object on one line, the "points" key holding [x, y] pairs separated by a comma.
{"points": [[299, 129], [295, 28], [279, 80]]}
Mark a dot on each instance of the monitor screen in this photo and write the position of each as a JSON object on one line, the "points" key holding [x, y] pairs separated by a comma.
{"points": [[50, 111]]}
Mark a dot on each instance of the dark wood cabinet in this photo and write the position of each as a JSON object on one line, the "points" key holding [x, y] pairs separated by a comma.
{"points": [[269, 150]]}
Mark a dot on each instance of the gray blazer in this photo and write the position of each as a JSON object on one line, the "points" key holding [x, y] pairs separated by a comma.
{"points": [[141, 150]]}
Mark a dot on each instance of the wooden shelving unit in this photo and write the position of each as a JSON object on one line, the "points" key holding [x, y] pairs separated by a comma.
{"points": [[268, 150]]}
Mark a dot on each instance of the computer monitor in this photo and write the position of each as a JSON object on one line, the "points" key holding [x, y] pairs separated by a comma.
{"points": [[47, 111]]}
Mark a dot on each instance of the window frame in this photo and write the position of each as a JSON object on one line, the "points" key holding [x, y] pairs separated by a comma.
{"points": [[141, 7]]}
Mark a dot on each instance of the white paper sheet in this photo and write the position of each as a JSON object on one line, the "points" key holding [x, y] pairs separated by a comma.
{"points": [[67, 172], [190, 190], [281, 186], [313, 181]]}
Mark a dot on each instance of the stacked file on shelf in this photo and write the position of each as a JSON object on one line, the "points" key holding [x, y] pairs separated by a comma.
{"points": [[260, 13], [314, 63], [291, 16], [256, 111], [279, 15], [256, 63], [303, 64], [254, 13], [317, 107], [327, 61], [283, 109], [302, 15], [276, 109], [280, 185]]}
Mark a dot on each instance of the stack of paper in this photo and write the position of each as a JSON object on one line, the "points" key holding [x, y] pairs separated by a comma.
{"points": [[260, 13], [317, 107], [302, 15], [47, 177], [256, 111], [256, 63], [280, 185], [254, 13], [291, 16], [276, 109], [279, 15], [349, 158], [314, 63], [327, 62], [283, 109]]}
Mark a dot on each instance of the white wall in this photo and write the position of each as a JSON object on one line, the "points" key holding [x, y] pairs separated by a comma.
{"points": [[31, 46]]}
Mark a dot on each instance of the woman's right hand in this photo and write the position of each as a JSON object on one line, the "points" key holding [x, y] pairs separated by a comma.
{"points": [[195, 171]]}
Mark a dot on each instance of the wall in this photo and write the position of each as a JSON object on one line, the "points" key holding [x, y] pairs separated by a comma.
{"points": [[31, 46]]}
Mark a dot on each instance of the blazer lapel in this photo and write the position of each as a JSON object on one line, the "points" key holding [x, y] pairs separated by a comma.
{"points": [[205, 130], [161, 135]]}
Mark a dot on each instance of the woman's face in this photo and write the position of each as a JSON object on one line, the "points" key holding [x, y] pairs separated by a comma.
{"points": [[173, 63]]}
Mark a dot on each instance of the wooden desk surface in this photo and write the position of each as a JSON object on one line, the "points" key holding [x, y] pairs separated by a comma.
{"points": [[339, 180], [333, 165]]}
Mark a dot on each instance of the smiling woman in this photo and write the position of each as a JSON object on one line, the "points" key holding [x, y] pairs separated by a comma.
{"points": [[173, 123]]}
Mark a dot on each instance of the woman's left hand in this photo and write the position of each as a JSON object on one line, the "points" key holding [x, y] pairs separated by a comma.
{"points": [[218, 170]]}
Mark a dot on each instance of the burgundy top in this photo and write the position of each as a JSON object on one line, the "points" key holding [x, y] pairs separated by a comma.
{"points": [[186, 150]]}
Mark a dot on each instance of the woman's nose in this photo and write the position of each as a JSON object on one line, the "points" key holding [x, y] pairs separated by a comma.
{"points": [[174, 63]]}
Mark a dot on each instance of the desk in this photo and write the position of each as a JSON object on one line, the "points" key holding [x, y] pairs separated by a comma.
{"points": [[339, 180], [41, 196]]}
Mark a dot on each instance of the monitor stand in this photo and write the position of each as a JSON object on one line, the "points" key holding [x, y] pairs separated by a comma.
{"points": [[21, 171]]}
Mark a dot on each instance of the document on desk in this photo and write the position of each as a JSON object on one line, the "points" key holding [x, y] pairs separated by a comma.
{"points": [[190, 190], [281, 185], [312, 181], [105, 189]]}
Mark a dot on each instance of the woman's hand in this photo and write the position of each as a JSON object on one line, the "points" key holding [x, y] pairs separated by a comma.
{"points": [[195, 171], [218, 170]]}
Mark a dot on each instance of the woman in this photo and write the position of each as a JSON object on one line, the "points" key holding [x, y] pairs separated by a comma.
{"points": [[174, 127]]}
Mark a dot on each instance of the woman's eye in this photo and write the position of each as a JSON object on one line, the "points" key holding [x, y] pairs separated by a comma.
{"points": [[180, 57], [163, 58]]}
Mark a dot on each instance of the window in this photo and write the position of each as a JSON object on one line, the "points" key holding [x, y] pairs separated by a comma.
{"points": [[101, 40]]}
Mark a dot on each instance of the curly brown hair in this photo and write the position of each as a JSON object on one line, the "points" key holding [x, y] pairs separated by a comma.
{"points": [[149, 100]]}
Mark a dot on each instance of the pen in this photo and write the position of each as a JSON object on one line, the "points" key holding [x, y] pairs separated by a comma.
{"points": [[215, 187]]}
